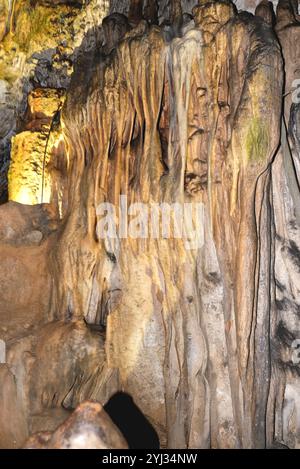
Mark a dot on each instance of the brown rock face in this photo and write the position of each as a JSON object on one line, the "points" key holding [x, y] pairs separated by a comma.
{"points": [[180, 123], [265, 10], [196, 319], [89, 427]]}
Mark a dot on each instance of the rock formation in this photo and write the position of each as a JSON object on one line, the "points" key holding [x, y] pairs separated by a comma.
{"points": [[89, 427], [168, 107]]}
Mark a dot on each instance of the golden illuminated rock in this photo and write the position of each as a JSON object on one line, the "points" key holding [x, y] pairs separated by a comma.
{"points": [[39, 40], [3, 18], [26, 180], [44, 103], [29, 178]]}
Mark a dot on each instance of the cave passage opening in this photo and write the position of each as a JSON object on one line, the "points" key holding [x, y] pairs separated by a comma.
{"points": [[135, 427]]}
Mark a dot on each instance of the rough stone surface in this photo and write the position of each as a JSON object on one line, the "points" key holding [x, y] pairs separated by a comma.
{"points": [[29, 176], [198, 303], [41, 41], [89, 427], [202, 336]]}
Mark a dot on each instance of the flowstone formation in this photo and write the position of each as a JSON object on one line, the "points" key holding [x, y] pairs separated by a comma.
{"points": [[167, 107]]}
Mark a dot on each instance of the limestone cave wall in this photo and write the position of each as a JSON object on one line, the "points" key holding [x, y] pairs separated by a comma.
{"points": [[134, 106]]}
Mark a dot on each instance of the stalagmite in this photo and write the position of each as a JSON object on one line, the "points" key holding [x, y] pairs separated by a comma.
{"points": [[89, 427]]}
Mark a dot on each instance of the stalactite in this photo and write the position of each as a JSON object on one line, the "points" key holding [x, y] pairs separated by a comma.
{"points": [[199, 327], [135, 11], [151, 11]]}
